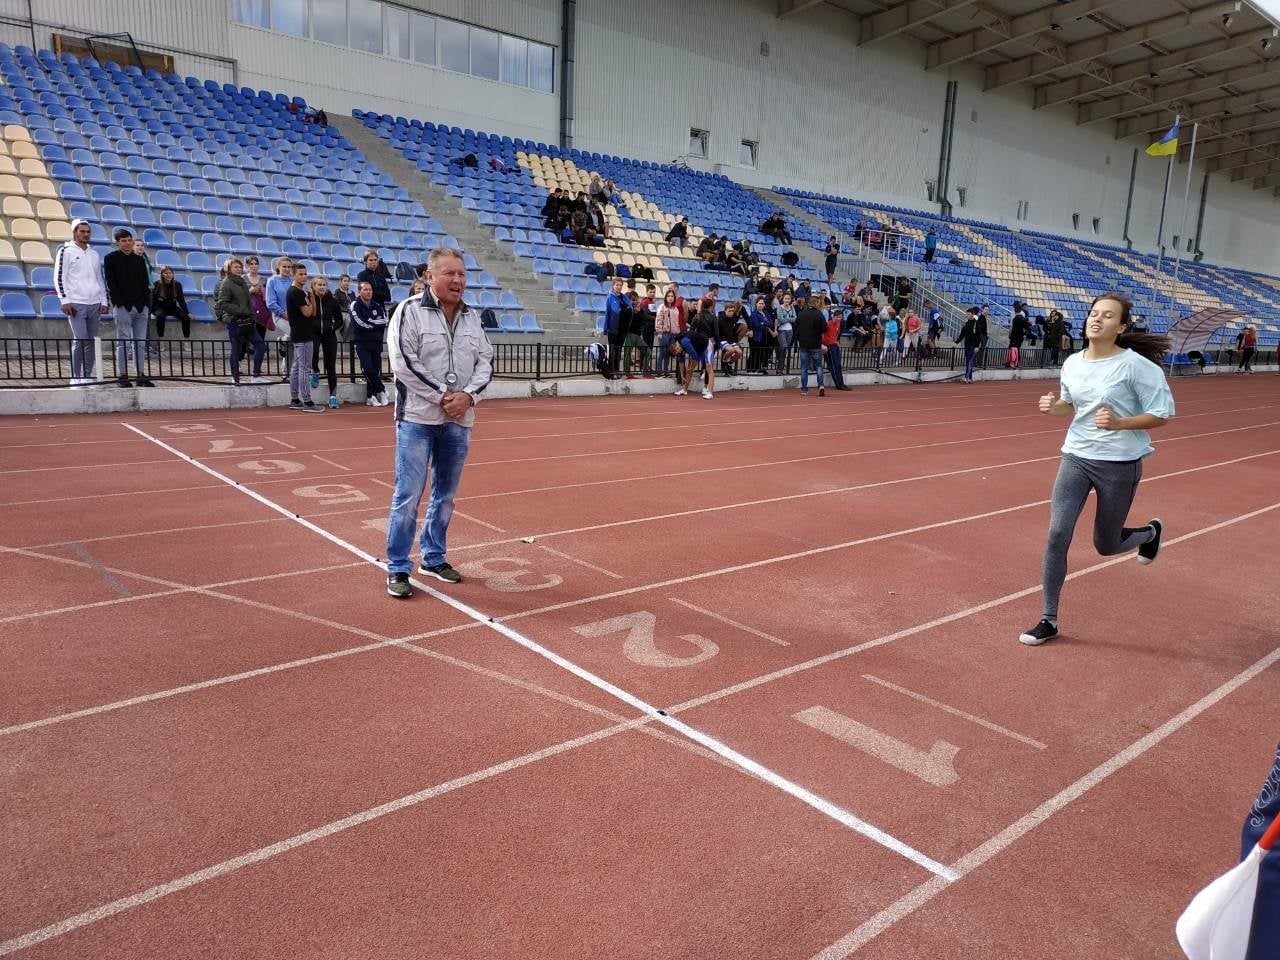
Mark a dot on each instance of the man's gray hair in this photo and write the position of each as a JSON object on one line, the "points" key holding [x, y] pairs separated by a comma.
{"points": [[444, 253]]}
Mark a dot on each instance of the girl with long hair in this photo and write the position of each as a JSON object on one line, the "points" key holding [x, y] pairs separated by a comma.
{"points": [[1115, 392]]}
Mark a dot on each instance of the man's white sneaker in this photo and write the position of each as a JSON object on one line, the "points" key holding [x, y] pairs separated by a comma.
{"points": [[372, 402], [707, 395], [681, 391]]}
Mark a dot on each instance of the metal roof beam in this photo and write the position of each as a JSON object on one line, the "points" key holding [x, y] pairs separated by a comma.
{"points": [[789, 8], [1250, 171], [1084, 55], [1263, 183], [1001, 29], [1226, 153], [903, 17], [1159, 121], [1142, 70], [1168, 95]]}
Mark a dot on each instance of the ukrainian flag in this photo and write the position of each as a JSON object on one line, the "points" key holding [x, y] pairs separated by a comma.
{"points": [[1167, 145]]}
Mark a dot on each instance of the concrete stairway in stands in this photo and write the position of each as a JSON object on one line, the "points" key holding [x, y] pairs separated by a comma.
{"points": [[555, 315]]}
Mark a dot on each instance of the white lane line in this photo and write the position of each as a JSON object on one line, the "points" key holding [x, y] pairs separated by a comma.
{"points": [[231, 423], [477, 520], [287, 446], [284, 846], [861, 541], [659, 716], [732, 623], [382, 483], [955, 712], [980, 855], [580, 562], [331, 463]]}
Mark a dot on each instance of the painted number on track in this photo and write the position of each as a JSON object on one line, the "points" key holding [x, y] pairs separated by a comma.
{"points": [[641, 647], [271, 468], [228, 445], [182, 429], [332, 494], [513, 579], [934, 766]]}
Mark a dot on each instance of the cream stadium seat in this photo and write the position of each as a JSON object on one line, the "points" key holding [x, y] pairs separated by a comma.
{"points": [[35, 251], [17, 207]]}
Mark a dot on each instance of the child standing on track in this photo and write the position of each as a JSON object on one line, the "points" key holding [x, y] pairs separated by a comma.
{"points": [[1114, 391]]}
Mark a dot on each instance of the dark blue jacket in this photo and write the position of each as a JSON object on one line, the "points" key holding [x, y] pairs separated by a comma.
{"points": [[1264, 936], [617, 315], [368, 321]]}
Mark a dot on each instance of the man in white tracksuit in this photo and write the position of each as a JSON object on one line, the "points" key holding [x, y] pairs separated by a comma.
{"points": [[82, 290], [442, 362]]}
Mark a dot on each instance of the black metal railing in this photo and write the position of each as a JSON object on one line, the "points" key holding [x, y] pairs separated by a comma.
{"points": [[36, 361]]}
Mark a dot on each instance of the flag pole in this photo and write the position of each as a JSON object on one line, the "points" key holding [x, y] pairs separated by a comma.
{"points": [[1168, 174], [1186, 199]]}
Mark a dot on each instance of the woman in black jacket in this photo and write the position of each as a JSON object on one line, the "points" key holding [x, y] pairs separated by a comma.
{"points": [[329, 322], [1019, 329], [169, 303]]}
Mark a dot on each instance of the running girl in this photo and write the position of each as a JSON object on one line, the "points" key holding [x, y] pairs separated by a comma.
{"points": [[1114, 391]]}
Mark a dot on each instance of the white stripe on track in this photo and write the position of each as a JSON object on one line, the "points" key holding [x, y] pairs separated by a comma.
{"points": [[657, 715]]}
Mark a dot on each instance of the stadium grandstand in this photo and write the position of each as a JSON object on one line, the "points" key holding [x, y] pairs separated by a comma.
{"points": [[743, 679]]}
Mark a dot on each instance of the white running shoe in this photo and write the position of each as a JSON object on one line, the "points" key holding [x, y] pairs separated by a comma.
{"points": [[372, 402], [382, 399], [707, 395], [681, 391]]}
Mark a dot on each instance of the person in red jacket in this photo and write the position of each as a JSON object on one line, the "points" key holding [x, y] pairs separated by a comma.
{"points": [[831, 343]]}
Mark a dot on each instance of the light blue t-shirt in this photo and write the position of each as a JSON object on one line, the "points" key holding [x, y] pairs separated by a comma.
{"points": [[1127, 384]]}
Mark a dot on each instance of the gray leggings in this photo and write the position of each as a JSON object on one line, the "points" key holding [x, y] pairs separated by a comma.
{"points": [[1115, 482]]}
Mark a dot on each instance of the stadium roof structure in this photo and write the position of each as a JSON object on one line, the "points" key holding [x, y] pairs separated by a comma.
{"points": [[1132, 64]]}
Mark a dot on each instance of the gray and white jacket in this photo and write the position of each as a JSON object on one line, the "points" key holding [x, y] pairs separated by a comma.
{"points": [[419, 342]]}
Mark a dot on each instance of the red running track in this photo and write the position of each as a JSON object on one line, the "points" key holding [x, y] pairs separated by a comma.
{"points": [[221, 739]]}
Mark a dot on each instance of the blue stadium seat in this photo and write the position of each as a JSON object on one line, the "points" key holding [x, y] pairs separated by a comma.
{"points": [[12, 277], [16, 306], [529, 324], [201, 312], [51, 308]]}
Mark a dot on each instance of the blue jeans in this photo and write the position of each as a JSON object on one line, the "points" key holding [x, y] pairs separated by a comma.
{"points": [[131, 330], [664, 358], [969, 354], [443, 447], [833, 365], [238, 336], [810, 359]]}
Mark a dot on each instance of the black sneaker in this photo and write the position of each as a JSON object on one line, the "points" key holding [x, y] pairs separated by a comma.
{"points": [[398, 586], [295, 404], [822, 391], [145, 383], [312, 407], [1148, 551], [124, 382], [441, 571], [1042, 631]]}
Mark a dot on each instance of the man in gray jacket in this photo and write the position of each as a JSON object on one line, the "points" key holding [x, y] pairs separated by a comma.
{"points": [[442, 362]]}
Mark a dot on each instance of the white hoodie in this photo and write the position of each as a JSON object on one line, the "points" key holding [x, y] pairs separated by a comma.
{"points": [[77, 275]]}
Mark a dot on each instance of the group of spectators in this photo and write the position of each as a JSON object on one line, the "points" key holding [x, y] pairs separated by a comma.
{"points": [[580, 219]]}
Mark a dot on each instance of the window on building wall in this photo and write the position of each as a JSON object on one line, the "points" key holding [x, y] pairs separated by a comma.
{"points": [[424, 38], [1097, 224], [484, 54], [514, 61], [698, 140], [1075, 221], [747, 154], [452, 41], [542, 67], [254, 13], [397, 19], [289, 16], [329, 21], [365, 25]]}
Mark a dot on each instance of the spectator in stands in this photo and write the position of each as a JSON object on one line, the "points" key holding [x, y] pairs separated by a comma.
{"points": [[891, 345], [849, 295], [764, 335], [169, 303], [416, 289], [831, 346], [679, 232], [667, 327], [832, 256], [982, 343], [902, 296], [322, 118], [77, 280], [375, 272], [129, 289], [595, 218], [277, 289], [1248, 347], [633, 345], [300, 310], [930, 245], [911, 334], [861, 325], [1019, 327], [713, 294], [443, 362], [706, 250], [934, 333], [785, 315], [731, 331], [552, 205], [764, 288], [801, 289], [617, 324], [971, 335], [776, 227], [329, 321], [368, 330], [342, 294], [596, 191], [234, 309], [810, 326], [1054, 332]]}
